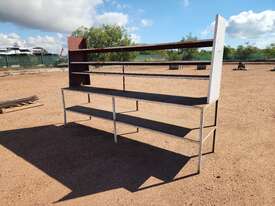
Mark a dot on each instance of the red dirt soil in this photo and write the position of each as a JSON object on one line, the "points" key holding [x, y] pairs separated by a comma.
{"points": [[45, 163]]}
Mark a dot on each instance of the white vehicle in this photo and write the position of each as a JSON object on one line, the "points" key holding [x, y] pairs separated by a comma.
{"points": [[14, 50], [39, 51]]}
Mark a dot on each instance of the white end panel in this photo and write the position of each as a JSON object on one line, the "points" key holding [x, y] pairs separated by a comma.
{"points": [[217, 60]]}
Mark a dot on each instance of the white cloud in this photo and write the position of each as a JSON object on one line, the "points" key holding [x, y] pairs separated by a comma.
{"points": [[135, 38], [248, 24], [118, 5], [119, 19], [53, 44], [57, 15], [132, 29], [146, 22], [10, 39]]}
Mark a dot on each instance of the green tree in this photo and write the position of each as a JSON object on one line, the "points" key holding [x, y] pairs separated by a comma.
{"points": [[229, 53], [173, 55], [106, 36], [189, 53], [269, 52], [246, 52]]}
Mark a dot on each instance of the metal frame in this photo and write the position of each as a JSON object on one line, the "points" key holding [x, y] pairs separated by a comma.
{"points": [[79, 76], [201, 137]]}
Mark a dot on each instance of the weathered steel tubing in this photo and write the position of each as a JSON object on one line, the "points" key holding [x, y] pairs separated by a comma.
{"points": [[172, 45]]}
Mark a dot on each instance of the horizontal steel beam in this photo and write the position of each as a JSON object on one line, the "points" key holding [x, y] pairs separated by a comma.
{"points": [[98, 63], [173, 45], [146, 75]]}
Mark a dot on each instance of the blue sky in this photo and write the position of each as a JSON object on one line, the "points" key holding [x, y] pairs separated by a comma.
{"points": [[48, 22]]}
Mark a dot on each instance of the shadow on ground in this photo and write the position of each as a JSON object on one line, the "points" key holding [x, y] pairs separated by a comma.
{"points": [[87, 161]]}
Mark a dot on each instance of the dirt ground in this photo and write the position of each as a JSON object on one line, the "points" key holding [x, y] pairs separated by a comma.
{"points": [[44, 163]]}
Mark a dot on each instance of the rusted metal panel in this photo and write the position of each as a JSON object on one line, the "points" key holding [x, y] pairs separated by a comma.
{"points": [[76, 43], [77, 80]]}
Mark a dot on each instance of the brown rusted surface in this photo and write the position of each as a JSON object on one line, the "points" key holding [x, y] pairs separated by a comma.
{"points": [[172, 45], [77, 80], [76, 43]]}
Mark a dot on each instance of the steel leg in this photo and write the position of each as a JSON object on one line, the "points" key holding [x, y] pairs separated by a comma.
{"points": [[200, 139], [215, 124], [136, 105], [64, 107], [89, 101], [114, 119], [123, 78]]}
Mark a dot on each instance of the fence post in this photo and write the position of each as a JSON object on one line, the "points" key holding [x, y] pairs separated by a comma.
{"points": [[7, 62], [42, 62]]}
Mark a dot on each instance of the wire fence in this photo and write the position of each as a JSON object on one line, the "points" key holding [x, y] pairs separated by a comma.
{"points": [[53, 60], [27, 61]]}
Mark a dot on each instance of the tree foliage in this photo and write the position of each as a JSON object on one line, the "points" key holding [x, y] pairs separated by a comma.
{"points": [[106, 36], [111, 36], [189, 53]]}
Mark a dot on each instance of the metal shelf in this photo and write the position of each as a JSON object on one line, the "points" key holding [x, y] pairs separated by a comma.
{"points": [[161, 127], [152, 97]]}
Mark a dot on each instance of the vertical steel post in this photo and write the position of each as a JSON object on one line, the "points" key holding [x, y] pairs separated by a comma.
{"points": [[89, 101], [136, 105], [114, 118], [7, 62], [64, 107], [123, 78], [215, 124], [200, 139], [42, 60]]}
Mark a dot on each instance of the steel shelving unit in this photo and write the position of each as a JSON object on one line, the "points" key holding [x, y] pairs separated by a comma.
{"points": [[79, 81]]}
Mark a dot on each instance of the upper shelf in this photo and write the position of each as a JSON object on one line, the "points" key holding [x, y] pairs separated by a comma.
{"points": [[173, 45]]}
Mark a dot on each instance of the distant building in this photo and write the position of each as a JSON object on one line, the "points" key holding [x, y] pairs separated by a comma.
{"points": [[17, 50], [14, 50], [3, 51], [39, 51]]}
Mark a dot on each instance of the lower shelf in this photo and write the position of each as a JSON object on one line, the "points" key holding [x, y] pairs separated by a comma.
{"points": [[143, 96], [132, 120]]}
